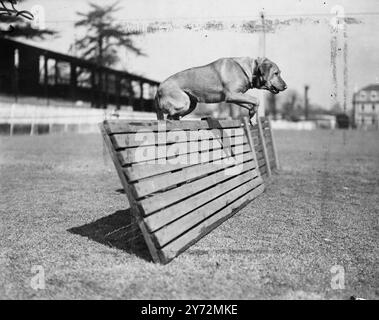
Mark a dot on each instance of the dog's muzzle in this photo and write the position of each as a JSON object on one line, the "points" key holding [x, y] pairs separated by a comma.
{"points": [[273, 89], [268, 86]]}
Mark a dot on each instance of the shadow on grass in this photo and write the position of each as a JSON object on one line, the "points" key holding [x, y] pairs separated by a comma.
{"points": [[119, 230]]}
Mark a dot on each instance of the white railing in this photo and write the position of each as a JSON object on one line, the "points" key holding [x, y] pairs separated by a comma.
{"points": [[85, 120]]}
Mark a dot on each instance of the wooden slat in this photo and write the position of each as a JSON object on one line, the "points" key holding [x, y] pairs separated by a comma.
{"points": [[143, 154], [264, 147], [148, 186], [125, 126], [270, 152], [132, 202], [127, 140], [277, 165], [261, 162], [256, 140], [270, 148], [255, 137], [258, 148], [173, 230], [196, 233], [260, 154], [268, 137], [144, 170], [169, 214], [271, 160], [247, 127], [264, 122], [254, 131], [161, 200]]}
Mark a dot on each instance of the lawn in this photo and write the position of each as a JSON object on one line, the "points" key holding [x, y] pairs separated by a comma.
{"points": [[62, 208]]}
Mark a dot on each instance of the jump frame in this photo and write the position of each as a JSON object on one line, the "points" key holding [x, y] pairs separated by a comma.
{"points": [[174, 201]]}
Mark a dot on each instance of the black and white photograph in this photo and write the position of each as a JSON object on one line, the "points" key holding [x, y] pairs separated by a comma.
{"points": [[202, 151]]}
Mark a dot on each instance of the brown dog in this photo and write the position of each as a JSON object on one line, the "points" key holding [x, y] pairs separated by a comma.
{"points": [[226, 79]]}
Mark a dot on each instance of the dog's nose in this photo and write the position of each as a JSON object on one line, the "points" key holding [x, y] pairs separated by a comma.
{"points": [[285, 87]]}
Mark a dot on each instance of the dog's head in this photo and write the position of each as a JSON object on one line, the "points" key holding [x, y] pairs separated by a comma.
{"points": [[267, 76]]}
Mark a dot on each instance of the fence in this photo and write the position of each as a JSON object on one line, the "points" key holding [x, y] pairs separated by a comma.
{"points": [[34, 120]]}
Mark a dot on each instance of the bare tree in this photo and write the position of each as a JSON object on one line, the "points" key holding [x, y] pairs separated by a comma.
{"points": [[15, 22], [104, 35], [292, 105], [103, 38]]}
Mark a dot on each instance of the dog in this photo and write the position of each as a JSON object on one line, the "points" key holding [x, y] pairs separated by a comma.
{"points": [[224, 80]]}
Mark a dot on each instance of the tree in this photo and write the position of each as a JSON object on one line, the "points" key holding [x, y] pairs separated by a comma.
{"points": [[16, 22], [292, 106], [102, 40], [104, 36]]}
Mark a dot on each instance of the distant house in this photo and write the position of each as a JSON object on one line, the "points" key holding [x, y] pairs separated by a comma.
{"points": [[366, 107], [324, 121]]}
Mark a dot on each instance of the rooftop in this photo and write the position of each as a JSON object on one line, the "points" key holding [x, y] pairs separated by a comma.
{"points": [[374, 86]]}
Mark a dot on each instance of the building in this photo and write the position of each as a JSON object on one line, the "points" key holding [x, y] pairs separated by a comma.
{"points": [[30, 71], [366, 107]]}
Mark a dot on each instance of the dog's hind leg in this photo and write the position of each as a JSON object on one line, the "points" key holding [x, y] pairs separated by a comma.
{"points": [[158, 111]]}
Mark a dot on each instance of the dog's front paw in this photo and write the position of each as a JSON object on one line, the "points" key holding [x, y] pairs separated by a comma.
{"points": [[253, 111], [253, 121]]}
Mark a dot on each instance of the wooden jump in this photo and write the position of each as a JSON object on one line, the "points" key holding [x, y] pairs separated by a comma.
{"points": [[185, 178]]}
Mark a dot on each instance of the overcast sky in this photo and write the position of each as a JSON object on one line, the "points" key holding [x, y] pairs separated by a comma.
{"points": [[302, 49]]}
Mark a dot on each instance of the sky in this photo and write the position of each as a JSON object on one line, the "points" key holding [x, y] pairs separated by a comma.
{"points": [[302, 43]]}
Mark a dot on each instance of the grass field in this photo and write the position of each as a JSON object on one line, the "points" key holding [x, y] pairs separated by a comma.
{"points": [[62, 208]]}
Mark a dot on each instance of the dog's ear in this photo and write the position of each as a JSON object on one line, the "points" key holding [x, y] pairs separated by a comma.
{"points": [[261, 72], [264, 66]]}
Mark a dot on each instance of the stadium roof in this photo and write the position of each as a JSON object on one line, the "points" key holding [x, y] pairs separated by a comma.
{"points": [[374, 86]]}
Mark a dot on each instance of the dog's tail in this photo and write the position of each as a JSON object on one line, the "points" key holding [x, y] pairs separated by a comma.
{"points": [[158, 110]]}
